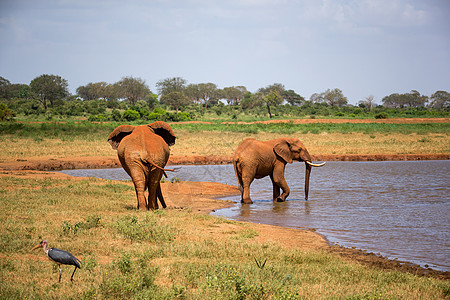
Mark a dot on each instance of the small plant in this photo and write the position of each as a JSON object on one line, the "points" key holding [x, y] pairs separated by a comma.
{"points": [[124, 263], [91, 222], [148, 229], [175, 180], [260, 264], [424, 140]]}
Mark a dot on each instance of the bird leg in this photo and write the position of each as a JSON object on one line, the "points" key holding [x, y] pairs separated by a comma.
{"points": [[71, 278], [59, 273]]}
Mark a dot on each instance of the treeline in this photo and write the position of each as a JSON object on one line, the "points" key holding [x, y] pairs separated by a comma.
{"points": [[131, 99]]}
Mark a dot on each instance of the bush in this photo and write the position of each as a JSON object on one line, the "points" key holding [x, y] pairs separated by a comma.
{"points": [[5, 113], [98, 118], [116, 116], [131, 115], [382, 115]]}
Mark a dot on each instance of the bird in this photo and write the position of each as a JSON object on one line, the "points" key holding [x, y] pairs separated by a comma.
{"points": [[60, 257]]}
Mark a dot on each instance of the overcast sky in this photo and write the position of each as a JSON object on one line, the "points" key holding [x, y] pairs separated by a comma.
{"points": [[362, 47]]}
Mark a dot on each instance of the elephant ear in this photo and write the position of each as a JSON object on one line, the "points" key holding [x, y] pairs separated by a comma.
{"points": [[118, 134], [283, 150], [163, 130]]}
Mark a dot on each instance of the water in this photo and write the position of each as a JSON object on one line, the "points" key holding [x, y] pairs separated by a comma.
{"points": [[399, 209]]}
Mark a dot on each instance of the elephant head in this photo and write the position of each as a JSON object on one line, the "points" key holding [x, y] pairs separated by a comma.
{"points": [[292, 149], [160, 128]]}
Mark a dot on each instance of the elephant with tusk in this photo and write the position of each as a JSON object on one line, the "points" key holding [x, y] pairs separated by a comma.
{"points": [[258, 159]]}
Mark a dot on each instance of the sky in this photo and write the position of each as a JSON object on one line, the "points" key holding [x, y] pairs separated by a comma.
{"points": [[362, 47]]}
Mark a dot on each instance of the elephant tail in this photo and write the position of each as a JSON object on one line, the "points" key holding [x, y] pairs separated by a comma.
{"points": [[238, 173], [149, 161]]}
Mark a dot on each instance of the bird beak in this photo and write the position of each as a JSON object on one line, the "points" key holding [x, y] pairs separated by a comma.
{"points": [[35, 247]]}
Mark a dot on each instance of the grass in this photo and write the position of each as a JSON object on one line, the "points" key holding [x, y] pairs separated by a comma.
{"points": [[50, 140], [127, 254]]}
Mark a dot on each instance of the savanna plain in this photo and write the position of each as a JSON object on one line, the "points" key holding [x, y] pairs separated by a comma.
{"points": [[182, 252]]}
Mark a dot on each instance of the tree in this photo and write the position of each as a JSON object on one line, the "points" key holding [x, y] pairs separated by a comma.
{"points": [[49, 88], [293, 98], [169, 85], [234, 94], [4, 88], [175, 99], [251, 100], [368, 102], [132, 89], [335, 97], [440, 100], [203, 93], [317, 98], [412, 99], [272, 95]]}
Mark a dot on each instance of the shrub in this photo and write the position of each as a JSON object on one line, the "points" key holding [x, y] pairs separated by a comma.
{"points": [[131, 115], [116, 116], [5, 113], [98, 118], [382, 115]]}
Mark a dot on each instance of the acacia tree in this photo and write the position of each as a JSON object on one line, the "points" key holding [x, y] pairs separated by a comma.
{"points": [[132, 89], [272, 95], [335, 97], [412, 99], [49, 88], [175, 99], [234, 94], [4, 87], [169, 85], [293, 98], [203, 93], [440, 100]]}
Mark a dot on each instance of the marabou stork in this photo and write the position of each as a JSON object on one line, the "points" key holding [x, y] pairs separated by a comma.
{"points": [[60, 257]]}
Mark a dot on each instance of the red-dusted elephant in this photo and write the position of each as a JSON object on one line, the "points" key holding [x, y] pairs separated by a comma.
{"points": [[256, 159], [143, 152]]}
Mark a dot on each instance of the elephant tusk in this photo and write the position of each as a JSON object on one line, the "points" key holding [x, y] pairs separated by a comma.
{"points": [[315, 165]]}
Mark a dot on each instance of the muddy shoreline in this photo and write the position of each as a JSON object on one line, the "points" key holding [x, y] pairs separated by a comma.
{"points": [[206, 202]]}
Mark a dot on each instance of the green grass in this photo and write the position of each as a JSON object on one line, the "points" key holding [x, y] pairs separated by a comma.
{"points": [[89, 130], [128, 254]]}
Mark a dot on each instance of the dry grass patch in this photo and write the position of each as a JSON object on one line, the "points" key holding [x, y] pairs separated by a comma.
{"points": [[166, 254]]}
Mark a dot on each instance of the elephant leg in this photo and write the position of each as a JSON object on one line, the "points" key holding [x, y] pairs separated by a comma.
{"points": [[138, 177], [279, 180], [153, 182], [160, 196], [247, 179], [276, 189]]}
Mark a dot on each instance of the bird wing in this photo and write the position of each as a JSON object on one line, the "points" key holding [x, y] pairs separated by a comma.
{"points": [[63, 257]]}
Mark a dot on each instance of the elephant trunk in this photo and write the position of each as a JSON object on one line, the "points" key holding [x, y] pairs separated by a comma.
{"points": [[307, 174], [309, 166]]}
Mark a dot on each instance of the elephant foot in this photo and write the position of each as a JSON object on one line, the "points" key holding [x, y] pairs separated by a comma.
{"points": [[280, 199], [247, 201]]}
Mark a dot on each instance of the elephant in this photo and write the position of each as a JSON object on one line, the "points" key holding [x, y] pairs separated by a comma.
{"points": [[257, 159], [143, 152]]}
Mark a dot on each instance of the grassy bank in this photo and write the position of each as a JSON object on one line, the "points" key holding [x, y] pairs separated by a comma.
{"points": [[23, 140], [166, 254]]}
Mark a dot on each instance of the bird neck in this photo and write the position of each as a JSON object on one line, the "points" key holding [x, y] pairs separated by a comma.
{"points": [[44, 246]]}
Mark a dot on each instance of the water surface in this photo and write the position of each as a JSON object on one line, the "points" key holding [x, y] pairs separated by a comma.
{"points": [[399, 209]]}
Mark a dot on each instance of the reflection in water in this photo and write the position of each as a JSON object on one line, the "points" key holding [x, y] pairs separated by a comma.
{"points": [[399, 209]]}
